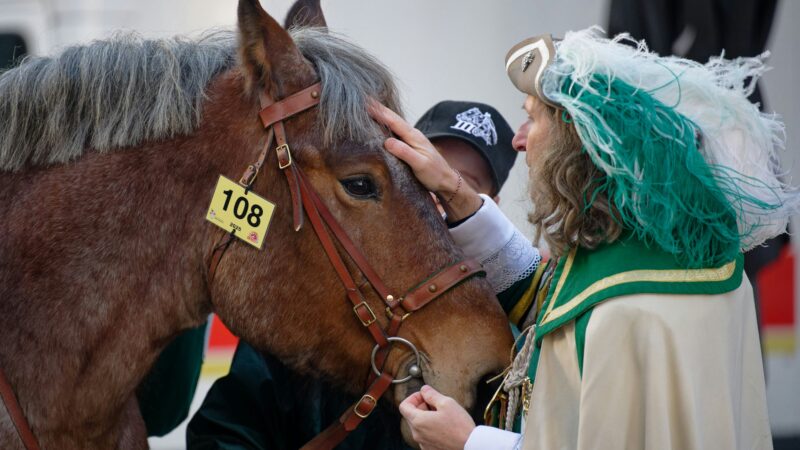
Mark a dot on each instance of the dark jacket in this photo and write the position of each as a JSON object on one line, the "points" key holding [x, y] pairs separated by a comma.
{"points": [[261, 404]]}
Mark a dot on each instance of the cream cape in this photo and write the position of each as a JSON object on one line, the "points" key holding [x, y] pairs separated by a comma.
{"points": [[659, 372]]}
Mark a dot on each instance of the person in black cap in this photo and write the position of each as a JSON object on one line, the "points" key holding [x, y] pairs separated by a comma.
{"points": [[261, 404], [474, 139]]}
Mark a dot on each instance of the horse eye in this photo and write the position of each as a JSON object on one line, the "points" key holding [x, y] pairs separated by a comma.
{"points": [[360, 187]]}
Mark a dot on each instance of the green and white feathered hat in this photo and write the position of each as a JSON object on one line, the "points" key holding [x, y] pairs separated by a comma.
{"points": [[691, 164]]}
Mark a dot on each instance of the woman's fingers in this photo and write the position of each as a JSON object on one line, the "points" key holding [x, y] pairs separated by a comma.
{"points": [[386, 116], [416, 400], [412, 406], [413, 148], [446, 427], [403, 151], [412, 140], [397, 124], [432, 397]]}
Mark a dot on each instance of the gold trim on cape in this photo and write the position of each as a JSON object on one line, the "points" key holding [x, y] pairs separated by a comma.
{"points": [[633, 276]]}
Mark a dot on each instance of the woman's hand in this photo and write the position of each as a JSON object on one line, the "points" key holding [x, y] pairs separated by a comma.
{"points": [[458, 199], [430, 168], [437, 422]]}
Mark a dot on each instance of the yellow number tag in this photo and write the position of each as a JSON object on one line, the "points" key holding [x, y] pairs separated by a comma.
{"points": [[246, 214]]}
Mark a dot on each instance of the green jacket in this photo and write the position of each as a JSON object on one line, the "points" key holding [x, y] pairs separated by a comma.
{"points": [[585, 278], [166, 392]]}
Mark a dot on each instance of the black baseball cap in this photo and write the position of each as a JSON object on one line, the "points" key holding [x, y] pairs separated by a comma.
{"points": [[478, 124]]}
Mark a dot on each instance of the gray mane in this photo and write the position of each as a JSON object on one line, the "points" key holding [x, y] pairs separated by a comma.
{"points": [[127, 90], [107, 95], [349, 77]]}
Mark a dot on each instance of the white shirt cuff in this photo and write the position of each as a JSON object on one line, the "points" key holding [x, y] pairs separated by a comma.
{"points": [[490, 438], [505, 253], [485, 233]]}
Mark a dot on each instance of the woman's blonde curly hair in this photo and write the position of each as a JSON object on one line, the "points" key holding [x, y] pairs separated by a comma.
{"points": [[569, 207]]}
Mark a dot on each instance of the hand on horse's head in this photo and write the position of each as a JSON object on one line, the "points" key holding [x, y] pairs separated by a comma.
{"points": [[416, 150], [436, 420], [431, 169]]}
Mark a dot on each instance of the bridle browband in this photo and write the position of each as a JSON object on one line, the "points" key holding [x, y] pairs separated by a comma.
{"points": [[326, 227]]}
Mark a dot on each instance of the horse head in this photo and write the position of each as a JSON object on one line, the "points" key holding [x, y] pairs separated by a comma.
{"points": [[287, 299]]}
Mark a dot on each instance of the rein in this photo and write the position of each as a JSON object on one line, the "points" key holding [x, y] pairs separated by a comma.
{"points": [[327, 228], [17, 416]]}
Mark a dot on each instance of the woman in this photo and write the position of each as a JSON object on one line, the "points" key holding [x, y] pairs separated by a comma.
{"points": [[649, 177]]}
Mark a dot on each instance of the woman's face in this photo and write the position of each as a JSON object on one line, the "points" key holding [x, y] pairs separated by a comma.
{"points": [[533, 136]]}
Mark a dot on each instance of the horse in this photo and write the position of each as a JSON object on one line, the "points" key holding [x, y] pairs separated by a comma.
{"points": [[109, 156]]}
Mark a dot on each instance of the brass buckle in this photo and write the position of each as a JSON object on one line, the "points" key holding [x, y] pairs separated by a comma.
{"points": [[369, 310], [246, 179], [373, 402], [284, 147]]}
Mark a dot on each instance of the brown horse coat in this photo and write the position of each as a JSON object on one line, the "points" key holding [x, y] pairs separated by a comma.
{"points": [[104, 252]]}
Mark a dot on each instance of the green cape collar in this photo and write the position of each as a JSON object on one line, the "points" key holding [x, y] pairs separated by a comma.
{"points": [[584, 278]]}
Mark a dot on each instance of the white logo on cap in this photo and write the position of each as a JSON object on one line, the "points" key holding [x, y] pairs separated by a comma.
{"points": [[478, 124]]}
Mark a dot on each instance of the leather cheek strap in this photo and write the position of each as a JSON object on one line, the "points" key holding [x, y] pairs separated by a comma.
{"points": [[354, 415], [355, 254], [292, 175], [17, 416], [441, 283], [367, 403]]}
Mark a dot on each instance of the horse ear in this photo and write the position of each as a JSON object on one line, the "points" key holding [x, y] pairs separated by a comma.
{"points": [[305, 13], [268, 55]]}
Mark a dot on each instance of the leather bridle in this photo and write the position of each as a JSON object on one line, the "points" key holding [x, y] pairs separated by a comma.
{"points": [[326, 227], [17, 415], [305, 198]]}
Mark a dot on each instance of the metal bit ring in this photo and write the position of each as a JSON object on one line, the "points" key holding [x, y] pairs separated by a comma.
{"points": [[402, 341]]}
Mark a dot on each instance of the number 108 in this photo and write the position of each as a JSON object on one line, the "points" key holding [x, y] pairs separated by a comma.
{"points": [[242, 209]]}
